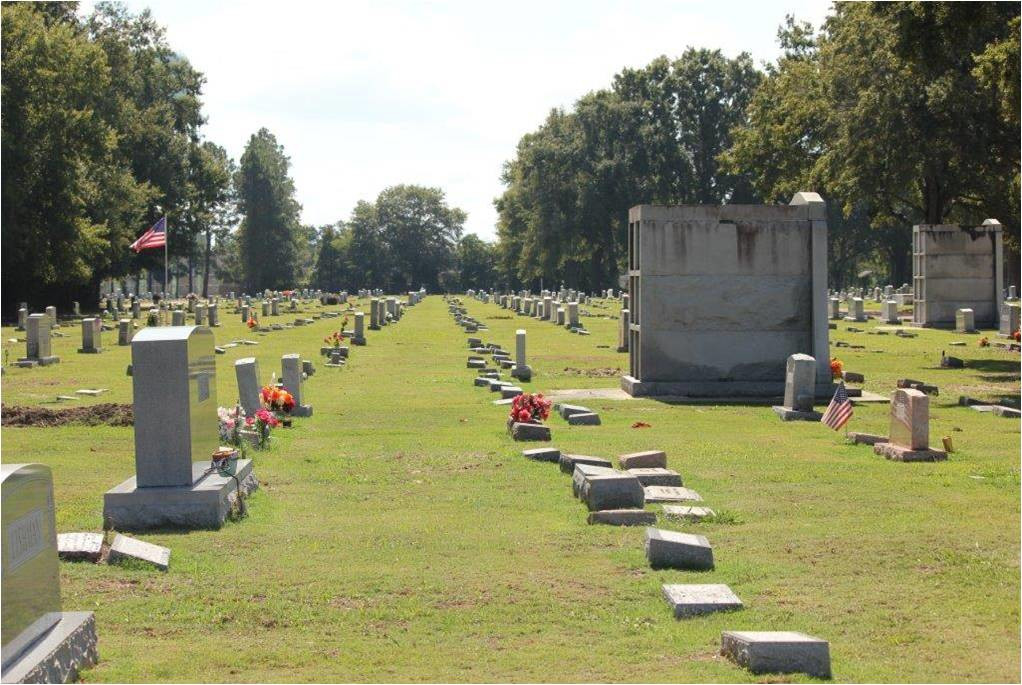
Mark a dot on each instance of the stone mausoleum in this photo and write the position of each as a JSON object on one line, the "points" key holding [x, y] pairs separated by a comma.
{"points": [[957, 267], [721, 296]]}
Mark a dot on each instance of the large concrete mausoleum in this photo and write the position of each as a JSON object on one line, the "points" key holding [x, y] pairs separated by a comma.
{"points": [[721, 296], [957, 267]]}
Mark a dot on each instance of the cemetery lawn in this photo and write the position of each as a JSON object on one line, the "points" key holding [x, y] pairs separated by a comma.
{"points": [[399, 535]]}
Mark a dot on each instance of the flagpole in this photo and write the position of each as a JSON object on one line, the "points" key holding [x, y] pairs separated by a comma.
{"points": [[166, 269]]}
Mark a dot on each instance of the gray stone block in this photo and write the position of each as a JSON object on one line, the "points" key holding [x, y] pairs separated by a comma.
{"points": [[543, 454], [204, 504], [481, 381], [530, 431], [777, 652], [786, 414], [509, 391], [584, 419], [124, 547], [622, 517], [687, 513], [80, 546], [695, 599], [612, 491], [568, 461], [583, 471], [666, 477], [669, 549], [666, 493], [67, 647], [566, 410], [653, 459]]}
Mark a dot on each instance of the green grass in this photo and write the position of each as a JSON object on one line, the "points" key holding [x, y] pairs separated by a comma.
{"points": [[399, 535]]}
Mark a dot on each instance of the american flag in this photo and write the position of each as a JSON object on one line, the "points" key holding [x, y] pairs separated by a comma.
{"points": [[839, 411], [154, 237]]}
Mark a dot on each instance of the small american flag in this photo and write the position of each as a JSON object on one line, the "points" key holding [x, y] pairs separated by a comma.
{"points": [[154, 237], [839, 411]]}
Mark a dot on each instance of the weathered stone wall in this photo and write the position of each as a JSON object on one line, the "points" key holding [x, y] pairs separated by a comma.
{"points": [[721, 295]]}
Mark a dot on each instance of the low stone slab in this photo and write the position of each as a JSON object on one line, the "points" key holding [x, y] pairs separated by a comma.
{"points": [[543, 454], [669, 549], [566, 410], [788, 414], [481, 381], [666, 477], [653, 459], [668, 493], [496, 385], [899, 453], [1006, 412], [612, 491], [91, 392], [688, 513], [777, 652], [530, 431], [80, 546], [476, 364], [623, 517], [124, 547], [584, 419], [584, 471], [866, 438], [569, 461], [57, 657], [509, 391], [695, 599]]}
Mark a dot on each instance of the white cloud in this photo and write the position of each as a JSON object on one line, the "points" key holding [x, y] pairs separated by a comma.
{"points": [[368, 94]]}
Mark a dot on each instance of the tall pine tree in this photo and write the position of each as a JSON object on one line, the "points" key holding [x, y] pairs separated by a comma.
{"points": [[266, 201]]}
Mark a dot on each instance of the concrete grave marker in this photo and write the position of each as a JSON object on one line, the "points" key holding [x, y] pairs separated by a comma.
{"points": [[910, 429], [799, 390], [123, 548], [80, 546], [777, 652], [696, 599], [668, 549]]}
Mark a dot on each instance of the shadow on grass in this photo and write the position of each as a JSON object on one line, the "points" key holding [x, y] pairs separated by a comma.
{"points": [[1004, 366]]}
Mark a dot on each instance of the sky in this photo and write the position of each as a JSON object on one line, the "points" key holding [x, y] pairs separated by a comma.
{"points": [[366, 95]]}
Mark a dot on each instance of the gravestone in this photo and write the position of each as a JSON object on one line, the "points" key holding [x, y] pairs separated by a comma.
{"points": [[910, 429], [652, 459], [136, 309], [671, 493], [1009, 320], [124, 332], [889, 312], [799, 390], [521, 370], [41, 643], [856, 311], [697, 599], [777, 652], [213, 315], [669, 549], [957, 267], [622, 332], [265, 309], [80, 546], [374, 314], [618, 490], [246, 371], [835, 308], [965, 321], [37, 343], [720, 296], [200, 314], [291, 375], [91, 336], [177, 318], [51, 313], [359, 337], [175, 410], [22, 318], [244, 313]]}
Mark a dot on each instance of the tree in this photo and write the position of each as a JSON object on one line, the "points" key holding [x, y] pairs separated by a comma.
{"points": [[333, 271], [265, 192], [212, 203], [477, 262]]}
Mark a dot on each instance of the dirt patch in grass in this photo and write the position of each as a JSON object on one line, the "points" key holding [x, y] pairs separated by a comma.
{"points": [[109, 414], [605, 372]]}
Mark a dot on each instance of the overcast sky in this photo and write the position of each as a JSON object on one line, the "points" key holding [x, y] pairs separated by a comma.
{"points": [[363, 95]]}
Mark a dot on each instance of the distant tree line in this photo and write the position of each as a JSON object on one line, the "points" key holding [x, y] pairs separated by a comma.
{"points": [[897, 113]]}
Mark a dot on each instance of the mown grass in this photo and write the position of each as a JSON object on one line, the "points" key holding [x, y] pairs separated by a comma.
{"points": [[398, 534]]}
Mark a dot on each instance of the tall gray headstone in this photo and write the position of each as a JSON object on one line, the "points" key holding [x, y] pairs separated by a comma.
{"points": [[91, 332], [624, 331], [37, 342], [359, 337], [22, 318], [521, 370], [177, 318], [291, 375], [246, 371], [124, 332]]}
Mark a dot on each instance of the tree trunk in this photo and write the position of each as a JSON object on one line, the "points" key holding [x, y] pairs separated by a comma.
{"points": [[206, 260]]}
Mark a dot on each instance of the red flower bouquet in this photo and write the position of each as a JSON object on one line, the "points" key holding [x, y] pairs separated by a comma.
{"points": [[529, 408], [837, 368]]}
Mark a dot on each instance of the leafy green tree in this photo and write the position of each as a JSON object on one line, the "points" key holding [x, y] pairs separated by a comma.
{"points": [[477, 262], [333, 270], [420, 232], [268, 231]]}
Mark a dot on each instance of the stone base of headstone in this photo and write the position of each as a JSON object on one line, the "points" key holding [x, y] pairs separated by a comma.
{"points": [[302, 411], [26, 362], [866, 438], [543, 454], [522, 373], [657, 476], [697, 599], [589, 418], [204, 504], [715, 389], [777, 652], [669, 549], [652, 459], [615, 490], [530, 431], [358, 341], [898, 453], [622, 348], [788, 414], [623, 517], [56, 658], [92, 350]]}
